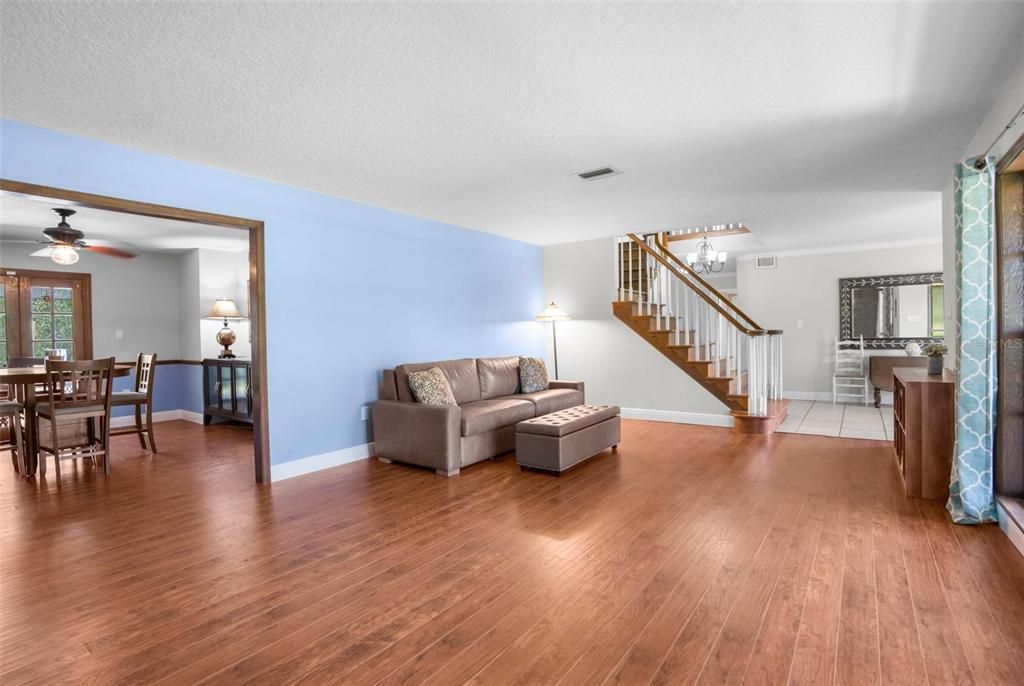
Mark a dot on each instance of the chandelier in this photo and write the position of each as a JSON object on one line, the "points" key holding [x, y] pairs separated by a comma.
{"points": [[706, 260]]}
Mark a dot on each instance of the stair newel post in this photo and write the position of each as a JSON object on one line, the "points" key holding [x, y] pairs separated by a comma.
{"points": [[781, 369], [621, 268], [630, 262]]}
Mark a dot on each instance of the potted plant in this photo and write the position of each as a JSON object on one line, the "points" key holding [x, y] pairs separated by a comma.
{"points": [[935, 353]]}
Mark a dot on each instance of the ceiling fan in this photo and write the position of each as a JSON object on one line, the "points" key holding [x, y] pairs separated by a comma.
{"points": [[65, 242]]}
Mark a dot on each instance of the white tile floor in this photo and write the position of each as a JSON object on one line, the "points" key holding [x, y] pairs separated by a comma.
{"points": [[846, 421]]}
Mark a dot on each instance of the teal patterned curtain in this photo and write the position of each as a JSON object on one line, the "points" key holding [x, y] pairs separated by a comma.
{"points": [[971, 499]]}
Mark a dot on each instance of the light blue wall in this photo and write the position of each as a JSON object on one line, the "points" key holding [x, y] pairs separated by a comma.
{"points": [[178, 387], [351, 289]]}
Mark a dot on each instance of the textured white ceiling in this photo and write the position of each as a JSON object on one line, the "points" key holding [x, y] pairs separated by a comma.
{"points": [[831, 122], [23, 218]]}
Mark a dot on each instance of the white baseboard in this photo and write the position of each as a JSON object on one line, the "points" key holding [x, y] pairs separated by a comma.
{"points": [[164, 416], [314, 463], [1011, 528], [675, 417]]}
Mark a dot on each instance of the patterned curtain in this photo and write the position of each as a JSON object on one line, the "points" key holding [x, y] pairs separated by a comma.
{"points": [[971, 499]]}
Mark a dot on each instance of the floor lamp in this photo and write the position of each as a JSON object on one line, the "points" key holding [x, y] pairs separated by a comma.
{"points": [[553, 314]]}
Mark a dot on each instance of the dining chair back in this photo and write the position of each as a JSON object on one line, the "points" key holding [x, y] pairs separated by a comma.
{"points": [[145, 381], [850, 376], [78, 404]]}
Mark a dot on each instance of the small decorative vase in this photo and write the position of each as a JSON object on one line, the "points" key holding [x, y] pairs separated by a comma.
{"points": [[935, 364]]}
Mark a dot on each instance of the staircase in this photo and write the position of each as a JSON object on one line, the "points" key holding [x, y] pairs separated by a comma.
{"points": [[701, 331]]}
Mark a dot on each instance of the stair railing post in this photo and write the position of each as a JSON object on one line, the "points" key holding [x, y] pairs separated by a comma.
{"points": [[621, 270]]}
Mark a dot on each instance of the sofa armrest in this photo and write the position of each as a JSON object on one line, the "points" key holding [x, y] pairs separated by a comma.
{"points": [[562, 383], [424, 435]]}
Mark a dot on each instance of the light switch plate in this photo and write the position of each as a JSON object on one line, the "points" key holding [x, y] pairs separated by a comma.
{"points": [[118, 334], [364, 412]]}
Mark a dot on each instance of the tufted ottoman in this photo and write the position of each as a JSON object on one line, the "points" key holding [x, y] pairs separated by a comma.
{"points": [[557, 441]]}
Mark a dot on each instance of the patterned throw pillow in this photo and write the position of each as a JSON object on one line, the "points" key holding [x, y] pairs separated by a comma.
{"points": [[533, 374], [430, 387]]}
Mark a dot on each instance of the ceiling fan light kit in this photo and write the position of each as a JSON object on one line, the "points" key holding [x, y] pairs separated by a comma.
{"points": [[65, 242]]}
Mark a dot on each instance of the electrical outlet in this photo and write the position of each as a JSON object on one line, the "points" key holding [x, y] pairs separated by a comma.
{"points": [[364, 412], [118, 334]]}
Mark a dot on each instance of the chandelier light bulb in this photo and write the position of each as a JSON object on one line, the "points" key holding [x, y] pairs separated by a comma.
{"points": [[64, 255]]}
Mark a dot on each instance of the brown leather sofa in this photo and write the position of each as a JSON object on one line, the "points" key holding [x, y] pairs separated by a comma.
{"points": [[481, 426]]}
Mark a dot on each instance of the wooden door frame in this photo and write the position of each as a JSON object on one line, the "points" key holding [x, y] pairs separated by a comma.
{"points": [[1008, 477], [257, 287], [86, 350]]}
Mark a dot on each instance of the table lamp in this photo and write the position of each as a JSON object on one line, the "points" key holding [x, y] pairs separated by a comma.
{"points": [[225, 309], [553, 314]]}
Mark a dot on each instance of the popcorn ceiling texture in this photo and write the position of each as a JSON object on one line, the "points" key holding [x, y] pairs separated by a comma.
{"points": [[836, 121]]}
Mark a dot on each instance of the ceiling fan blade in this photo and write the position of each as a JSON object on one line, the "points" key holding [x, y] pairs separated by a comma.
{"points": [[42, 252], [109, 251]]}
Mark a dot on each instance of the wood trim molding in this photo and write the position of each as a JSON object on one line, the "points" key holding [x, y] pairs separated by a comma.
{"points": [[1015, 151], [161, 363], [697, 235], [257, 287]]}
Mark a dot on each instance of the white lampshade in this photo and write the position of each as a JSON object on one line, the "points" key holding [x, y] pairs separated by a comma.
{"points": [[552, 313], [721, 257], [691, 258], [224, 308], [64, 254]]}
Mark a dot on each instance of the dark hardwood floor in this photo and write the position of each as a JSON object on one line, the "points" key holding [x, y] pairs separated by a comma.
{"points": [[694, 555]]}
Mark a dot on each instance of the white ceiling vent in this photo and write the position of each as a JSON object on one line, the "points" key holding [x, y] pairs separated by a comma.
{"points": [[765, 262], [595, 174]]}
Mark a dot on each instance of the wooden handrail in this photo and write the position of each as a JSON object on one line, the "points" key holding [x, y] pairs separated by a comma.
{"points": [[730, 304], [758, 331]]}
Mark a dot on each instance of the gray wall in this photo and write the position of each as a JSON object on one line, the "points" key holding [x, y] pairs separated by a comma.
{"points": [[139, 297], [801, 296]]}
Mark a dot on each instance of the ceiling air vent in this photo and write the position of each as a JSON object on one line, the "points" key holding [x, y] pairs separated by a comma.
{"points": [[765, 262], [595, 174]]}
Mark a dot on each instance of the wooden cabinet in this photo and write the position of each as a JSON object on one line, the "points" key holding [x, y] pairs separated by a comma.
{"points": [[924, 410], [227, 389]]}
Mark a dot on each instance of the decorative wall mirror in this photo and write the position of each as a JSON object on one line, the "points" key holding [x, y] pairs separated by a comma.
{"points": [[892, 311]]}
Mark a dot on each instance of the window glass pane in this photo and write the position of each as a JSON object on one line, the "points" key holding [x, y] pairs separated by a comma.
{"points": [[62, 326], [3, 298], [65, 345], [41, 299], [39, 348], [3, 354], [62, 301], [3, 326], [42, 327]]}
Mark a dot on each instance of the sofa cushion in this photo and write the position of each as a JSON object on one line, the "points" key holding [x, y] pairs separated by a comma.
{"points": [[430, 387], [499, 376], [554, 399], [461, 374], [486, 415], [533, 374]]}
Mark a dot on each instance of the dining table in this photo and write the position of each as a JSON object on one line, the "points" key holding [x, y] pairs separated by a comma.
{"points": [[27, 385]]}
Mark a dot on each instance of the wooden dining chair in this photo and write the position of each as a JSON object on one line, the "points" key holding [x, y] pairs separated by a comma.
{"points": [[10, 416], [77, 405], [145, 379]]}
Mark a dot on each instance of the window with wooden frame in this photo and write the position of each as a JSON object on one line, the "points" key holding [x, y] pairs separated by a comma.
{"points": [[41, 311]]}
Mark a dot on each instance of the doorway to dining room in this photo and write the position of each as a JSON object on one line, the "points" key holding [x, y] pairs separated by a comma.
{"points": [[184, 285]]}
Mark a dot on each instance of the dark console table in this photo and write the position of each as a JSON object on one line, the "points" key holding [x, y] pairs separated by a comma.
{"points": [[227, 389], [881, 367]]}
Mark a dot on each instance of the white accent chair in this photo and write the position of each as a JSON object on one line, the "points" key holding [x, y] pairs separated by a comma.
{"points": [[850, 377]]}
